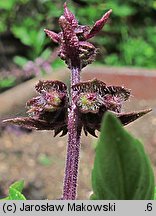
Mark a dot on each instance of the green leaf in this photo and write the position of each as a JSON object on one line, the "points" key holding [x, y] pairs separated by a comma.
{"points": [[18, 185], [93, 197], [15, 195], [22, 34], [155, 194], [7, 4], [45, 54], [7, 82], [20, 61], [58, 63], [15, 191], [122, 170]]}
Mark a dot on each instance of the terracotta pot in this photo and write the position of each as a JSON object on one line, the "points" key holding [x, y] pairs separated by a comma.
{"points": [[142, 82]]}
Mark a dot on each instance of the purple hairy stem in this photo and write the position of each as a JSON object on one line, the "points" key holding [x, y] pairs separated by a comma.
{"points": [[73, 147]]}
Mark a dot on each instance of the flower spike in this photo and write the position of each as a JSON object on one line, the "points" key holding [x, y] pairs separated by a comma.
{"points": [[70, 44], [74, 49]]}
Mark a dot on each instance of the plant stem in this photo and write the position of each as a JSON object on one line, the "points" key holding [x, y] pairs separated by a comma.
{"points": [[73, 148]]}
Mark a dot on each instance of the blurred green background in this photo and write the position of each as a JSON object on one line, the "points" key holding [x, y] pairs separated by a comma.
{"points": [[129, 38]]}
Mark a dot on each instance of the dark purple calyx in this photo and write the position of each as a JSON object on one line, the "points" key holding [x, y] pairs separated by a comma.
{"points": [[94, 98], [48, 111]]}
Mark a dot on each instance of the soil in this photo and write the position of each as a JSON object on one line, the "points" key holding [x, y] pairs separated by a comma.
{"points": [[39, 159]]}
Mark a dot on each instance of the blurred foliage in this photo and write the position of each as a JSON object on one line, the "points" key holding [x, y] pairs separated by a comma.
{"points": [[45, 160], [7, 82], [128, 39]]}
